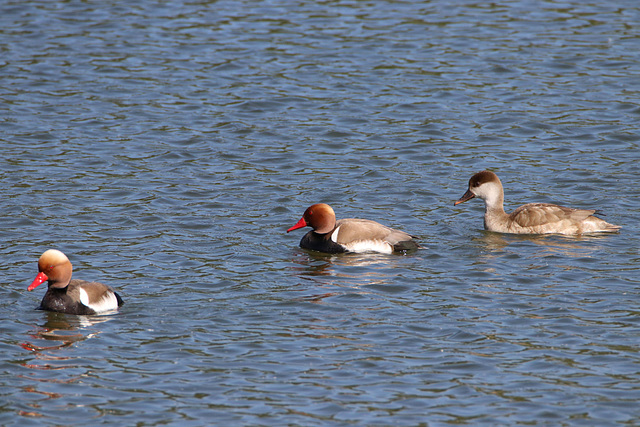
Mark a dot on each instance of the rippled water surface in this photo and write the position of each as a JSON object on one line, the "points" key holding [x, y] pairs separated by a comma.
{"points": [[165, 147]]}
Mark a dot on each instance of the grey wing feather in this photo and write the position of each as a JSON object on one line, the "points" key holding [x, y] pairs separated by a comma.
{"points": [[536, 214], [353, 229]]}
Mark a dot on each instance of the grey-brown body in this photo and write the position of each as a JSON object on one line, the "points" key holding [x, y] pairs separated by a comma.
{"points": [[532, 218]]}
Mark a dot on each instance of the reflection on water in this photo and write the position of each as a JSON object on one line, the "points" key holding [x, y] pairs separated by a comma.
{"points": [[48, 343], [65, 328], [351, 273], [569, 246], [365, 269], [166, 145]]}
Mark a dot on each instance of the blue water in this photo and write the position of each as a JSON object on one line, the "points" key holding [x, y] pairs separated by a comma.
{"points": [[166, 148]]}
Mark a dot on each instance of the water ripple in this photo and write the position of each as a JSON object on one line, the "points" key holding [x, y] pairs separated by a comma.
{"points": [[167, 147]]}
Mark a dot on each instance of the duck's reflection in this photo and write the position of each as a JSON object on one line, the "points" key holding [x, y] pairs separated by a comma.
{"points": [[361, 266], [47, 344], [352, 273], [65, 329], [570, 246]]}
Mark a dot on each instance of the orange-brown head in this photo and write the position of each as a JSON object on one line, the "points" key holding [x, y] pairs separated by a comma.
{"points": [[320, 217], [55, 267]]}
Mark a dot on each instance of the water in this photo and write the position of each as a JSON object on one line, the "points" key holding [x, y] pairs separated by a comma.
{"points": [[166, 148]]}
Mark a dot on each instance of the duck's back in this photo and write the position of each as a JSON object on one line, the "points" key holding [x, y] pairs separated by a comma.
{"points": [[546, 218], [358, 234]]}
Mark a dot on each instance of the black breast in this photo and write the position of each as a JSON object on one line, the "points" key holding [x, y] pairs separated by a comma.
{"points": [[321, 243], [58, 300]]}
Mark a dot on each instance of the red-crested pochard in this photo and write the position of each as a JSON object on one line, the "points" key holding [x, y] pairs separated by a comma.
{"points": [[350, 234], [532, 218], [71, 296]]}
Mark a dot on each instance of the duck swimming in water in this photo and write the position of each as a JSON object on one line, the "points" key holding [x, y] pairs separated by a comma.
{"points": [[71, 296], [532, 218], [349, 235]]}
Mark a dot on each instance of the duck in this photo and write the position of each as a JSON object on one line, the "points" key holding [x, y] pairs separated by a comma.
{"points": [[71, 296], [350, 234], [532, 218]]}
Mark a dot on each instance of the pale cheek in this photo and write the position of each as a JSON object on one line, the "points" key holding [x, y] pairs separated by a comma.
{"points": [[489, 193]]}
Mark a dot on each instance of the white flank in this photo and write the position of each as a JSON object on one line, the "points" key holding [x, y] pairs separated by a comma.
{"points": [[107, 303], [364, 245], [369, 246]]}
